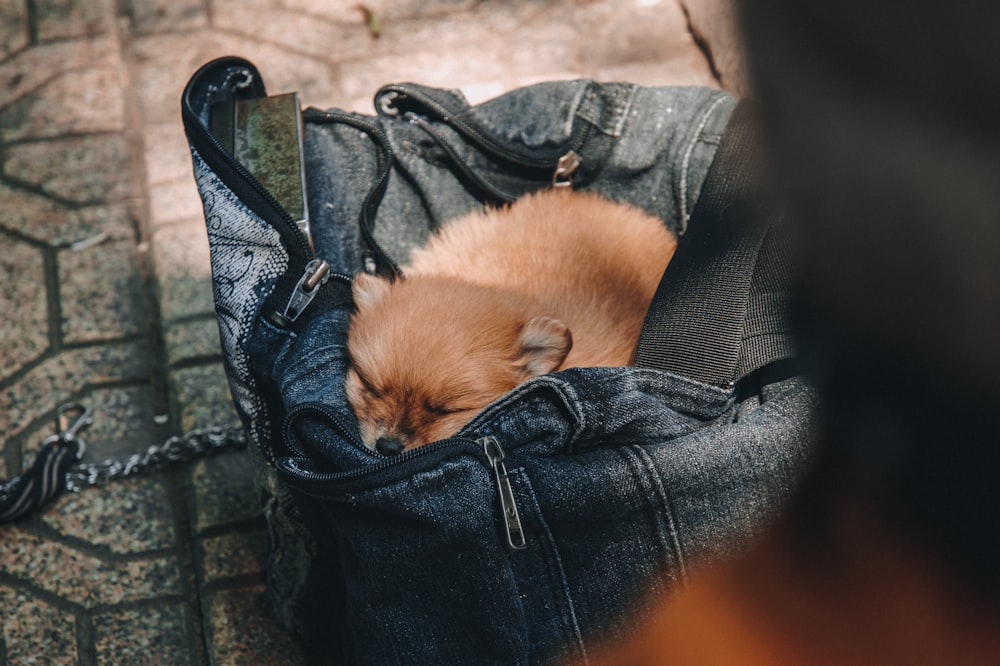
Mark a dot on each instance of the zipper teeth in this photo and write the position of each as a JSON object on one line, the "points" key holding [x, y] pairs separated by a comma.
{"points": [[445, 115], [453, 445], [383, 461], [333, 416], [192, 121]]}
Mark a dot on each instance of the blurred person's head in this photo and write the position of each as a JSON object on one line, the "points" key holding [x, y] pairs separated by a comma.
{"points": [[883, 123]]}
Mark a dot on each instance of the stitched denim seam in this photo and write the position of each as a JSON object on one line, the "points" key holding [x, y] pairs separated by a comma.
{"points": [[667, 527], [575, 110], [554, 551]]}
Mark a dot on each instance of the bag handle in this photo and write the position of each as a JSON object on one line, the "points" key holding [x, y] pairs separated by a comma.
{"points": [[721, 277]]}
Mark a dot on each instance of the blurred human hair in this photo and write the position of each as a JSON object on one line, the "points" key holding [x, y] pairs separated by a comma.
{"points": [[883, 136]]}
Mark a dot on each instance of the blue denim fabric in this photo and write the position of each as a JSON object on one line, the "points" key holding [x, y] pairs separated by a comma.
{"points": [[624, 479]]}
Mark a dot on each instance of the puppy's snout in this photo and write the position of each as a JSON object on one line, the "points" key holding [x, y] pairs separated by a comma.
{"points": [[389, 446]]}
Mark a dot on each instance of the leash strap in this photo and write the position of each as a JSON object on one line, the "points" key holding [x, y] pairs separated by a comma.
{"points": [[719, 311], [25, 494]]}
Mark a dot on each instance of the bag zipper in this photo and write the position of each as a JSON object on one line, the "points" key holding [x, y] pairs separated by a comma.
{"points": [[565, 168], [236, 176], [317, 273], [241, 75], [382, 470], [443, 113], [508, 507], [378, 473], [330, 415], [382, 461]]}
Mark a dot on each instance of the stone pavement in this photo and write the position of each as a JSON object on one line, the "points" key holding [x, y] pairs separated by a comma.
{"points": [[105, 295]]}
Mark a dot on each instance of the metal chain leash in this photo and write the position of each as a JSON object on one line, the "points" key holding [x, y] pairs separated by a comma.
{"points": [[191, 445], [58, 464]]}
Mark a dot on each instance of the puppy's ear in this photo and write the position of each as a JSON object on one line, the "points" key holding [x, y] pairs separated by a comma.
{"points": [[544, 343], [368, 290]]}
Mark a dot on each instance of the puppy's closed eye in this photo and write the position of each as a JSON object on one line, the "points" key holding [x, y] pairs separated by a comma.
{"points": [[444, 409], [368, 386]]}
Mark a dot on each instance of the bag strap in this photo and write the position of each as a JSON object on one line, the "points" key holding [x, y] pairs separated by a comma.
{"points": [[719, 311]]}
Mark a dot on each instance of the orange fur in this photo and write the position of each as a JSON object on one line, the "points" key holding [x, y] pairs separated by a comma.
{"points": [[556, 280]]}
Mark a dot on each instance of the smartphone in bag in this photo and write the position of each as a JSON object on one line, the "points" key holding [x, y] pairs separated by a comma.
{"points": [[265, 135]]}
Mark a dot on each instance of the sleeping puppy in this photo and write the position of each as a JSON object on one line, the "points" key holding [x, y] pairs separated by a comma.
{"points": [[558, 279]]}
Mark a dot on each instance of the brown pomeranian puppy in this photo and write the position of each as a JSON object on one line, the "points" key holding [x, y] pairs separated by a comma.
{"points": [[557, 279]]}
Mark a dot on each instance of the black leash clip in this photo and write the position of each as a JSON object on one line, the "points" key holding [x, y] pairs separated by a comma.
{"points": [[39, 484]]}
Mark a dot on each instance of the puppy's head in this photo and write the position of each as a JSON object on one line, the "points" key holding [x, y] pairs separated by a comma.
{"points": [[428, 353]]}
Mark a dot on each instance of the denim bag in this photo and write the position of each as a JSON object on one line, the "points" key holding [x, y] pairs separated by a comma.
{"points": [[555, 515]]}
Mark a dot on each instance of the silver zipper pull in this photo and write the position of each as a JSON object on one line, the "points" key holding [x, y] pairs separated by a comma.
{"points": [[316, 274], [565, 168], [512, 520]]}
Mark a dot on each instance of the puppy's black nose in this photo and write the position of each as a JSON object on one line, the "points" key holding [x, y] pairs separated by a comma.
{"points": [[389, 446]]}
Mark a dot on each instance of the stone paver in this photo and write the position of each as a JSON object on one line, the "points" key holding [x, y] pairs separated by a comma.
{"points": [[105, 293]]}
